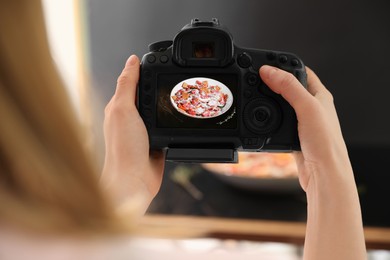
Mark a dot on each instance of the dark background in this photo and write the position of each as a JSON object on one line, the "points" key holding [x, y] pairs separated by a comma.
{"points": [[345, 42]]}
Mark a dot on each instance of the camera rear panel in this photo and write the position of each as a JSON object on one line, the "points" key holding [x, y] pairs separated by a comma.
{"points": [[266, 114], [202, 109]]}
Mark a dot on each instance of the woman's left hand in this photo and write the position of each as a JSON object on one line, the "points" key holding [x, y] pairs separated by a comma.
{"points": [[130, 169]]}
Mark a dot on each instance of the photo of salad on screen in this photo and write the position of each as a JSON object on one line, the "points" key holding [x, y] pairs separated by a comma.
{"points": [[201, 98]]}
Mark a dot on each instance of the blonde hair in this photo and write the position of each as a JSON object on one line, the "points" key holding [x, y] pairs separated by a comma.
{"points": [[47, 180]]}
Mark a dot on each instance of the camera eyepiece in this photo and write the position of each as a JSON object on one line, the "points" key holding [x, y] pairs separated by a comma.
{"points": [[203, 44]]}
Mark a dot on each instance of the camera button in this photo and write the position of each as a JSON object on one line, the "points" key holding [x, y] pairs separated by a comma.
{"points": [[164, 59], [147, 87], [247, 93], [262, 116], [244, 60], [294, 62], [271, 56], [147, 100], [147, 74], [151, 58], [147, 113], [283, 58], [252, 79]]}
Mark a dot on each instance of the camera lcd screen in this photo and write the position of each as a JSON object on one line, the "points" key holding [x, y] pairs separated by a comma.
{"points": [[203, 50], [189, 101]]}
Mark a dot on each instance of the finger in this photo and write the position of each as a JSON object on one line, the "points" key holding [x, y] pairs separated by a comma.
{"points": [[285, 84], [314, 84], [128, 79]]}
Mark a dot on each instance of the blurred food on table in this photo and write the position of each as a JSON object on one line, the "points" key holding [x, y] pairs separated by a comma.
{"points": [[263, 172], [259, 165]]}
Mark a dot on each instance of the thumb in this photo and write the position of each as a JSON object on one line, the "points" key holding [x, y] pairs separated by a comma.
{"points": [[285, 84], [128, 79]]}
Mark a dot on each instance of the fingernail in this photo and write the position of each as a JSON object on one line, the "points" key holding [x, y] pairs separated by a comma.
{"points": [[131, 60]]}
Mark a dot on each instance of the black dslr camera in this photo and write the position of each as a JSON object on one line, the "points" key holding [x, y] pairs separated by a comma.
{"points": [[201, 97]]}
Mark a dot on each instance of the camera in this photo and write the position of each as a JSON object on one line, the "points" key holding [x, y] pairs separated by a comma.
{"points": [[201, 97]]}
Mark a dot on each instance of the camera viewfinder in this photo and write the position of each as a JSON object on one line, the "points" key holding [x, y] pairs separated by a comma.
{"points": [[203, 50]]}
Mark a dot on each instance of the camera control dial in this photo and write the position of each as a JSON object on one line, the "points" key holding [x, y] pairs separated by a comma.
{"points": [[262, 116], [244, 60]]}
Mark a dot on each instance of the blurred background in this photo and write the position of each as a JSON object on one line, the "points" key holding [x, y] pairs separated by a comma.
{"points": [[345, 42]]}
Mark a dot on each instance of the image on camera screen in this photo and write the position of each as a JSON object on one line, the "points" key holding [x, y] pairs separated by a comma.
{"points": [[197, 102], [201, 98]]}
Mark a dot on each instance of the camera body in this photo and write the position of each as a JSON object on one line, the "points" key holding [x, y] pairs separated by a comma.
{"points": [[201, 97]]}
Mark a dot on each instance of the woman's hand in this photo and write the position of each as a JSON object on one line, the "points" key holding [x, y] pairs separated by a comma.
{"points": [[334, 225], [321, 140], [130, 169]]}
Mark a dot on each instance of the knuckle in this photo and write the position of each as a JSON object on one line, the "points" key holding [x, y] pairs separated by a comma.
{"points": [[117, 109], [329, 95], [114, 108], [123, 79], [107, 109]]}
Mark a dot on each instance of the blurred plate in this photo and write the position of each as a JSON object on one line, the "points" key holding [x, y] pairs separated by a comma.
{"points": [[259, 172]]}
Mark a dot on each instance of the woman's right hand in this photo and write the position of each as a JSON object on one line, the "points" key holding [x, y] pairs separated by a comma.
{"points": [[321, 140], [334, 227]]}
